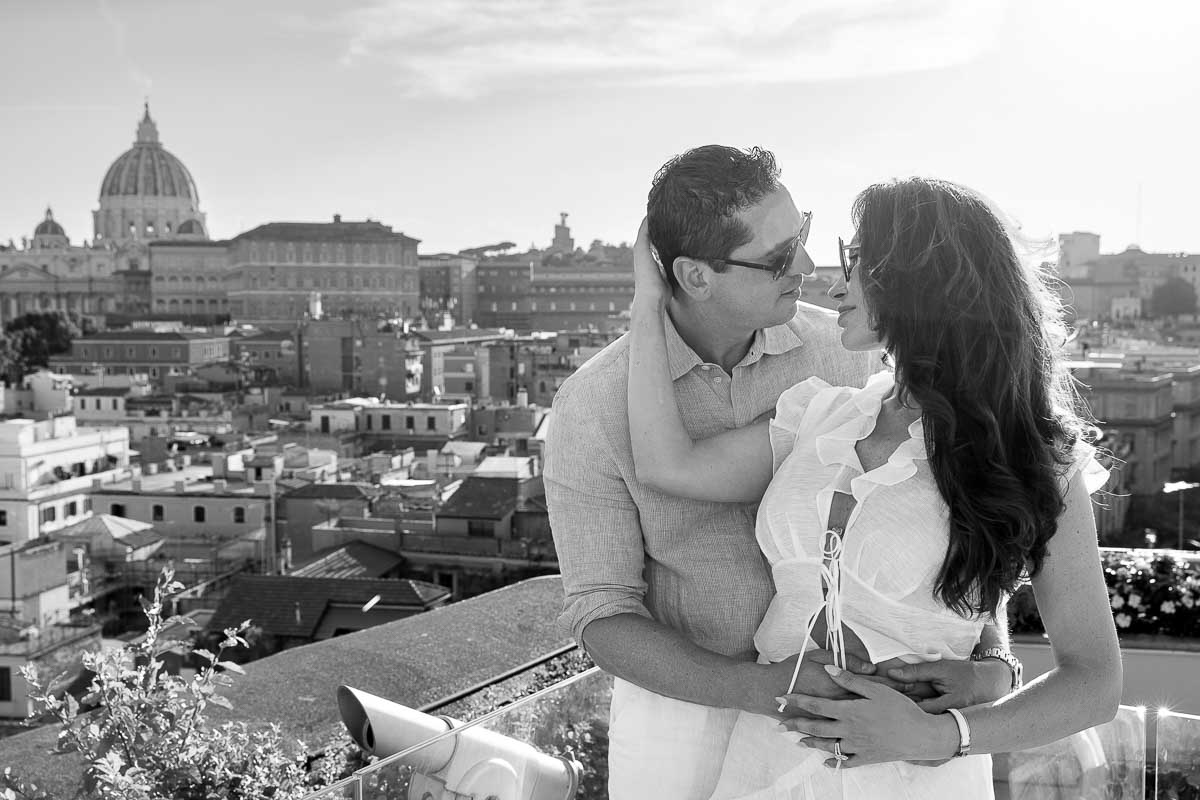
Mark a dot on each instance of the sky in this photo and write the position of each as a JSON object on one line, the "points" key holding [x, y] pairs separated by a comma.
{"points": [[469, 122]]}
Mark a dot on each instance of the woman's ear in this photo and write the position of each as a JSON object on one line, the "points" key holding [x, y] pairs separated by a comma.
{"points": [[694, 277]]}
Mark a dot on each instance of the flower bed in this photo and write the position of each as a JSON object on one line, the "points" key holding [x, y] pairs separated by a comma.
{"points": [[1151, 592]]}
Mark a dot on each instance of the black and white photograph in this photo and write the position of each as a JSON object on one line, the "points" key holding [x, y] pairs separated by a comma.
{"points": [[599, 400]]}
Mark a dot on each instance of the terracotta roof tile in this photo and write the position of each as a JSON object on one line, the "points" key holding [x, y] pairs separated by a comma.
{"points": [[352, 560], [482, 498], [286, 605]]}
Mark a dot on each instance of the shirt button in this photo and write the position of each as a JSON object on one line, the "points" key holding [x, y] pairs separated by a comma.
{"points": [[717, 379], [706, 368]]}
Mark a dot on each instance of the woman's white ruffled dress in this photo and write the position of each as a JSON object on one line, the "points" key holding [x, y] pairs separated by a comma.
{"points": [[894, 543]]}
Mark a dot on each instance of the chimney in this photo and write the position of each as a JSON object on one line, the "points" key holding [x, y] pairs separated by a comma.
{"points": [[220, 485], [522, 398], [180, 486], [337, 218], [136, 484], [431, 457]]}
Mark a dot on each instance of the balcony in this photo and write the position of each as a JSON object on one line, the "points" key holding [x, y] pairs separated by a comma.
{"points": [[555, 745], [45, 639], [469, 657]]}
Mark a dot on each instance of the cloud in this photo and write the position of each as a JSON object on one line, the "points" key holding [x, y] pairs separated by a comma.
{"points": [[117, 27], [470, 48]]}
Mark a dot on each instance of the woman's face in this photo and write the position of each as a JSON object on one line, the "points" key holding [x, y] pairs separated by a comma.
{"points": [[854, 317]]}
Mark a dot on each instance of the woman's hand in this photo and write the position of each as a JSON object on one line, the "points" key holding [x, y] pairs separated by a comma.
{"points": [[649, 279], [884, 725], [958, 684]]}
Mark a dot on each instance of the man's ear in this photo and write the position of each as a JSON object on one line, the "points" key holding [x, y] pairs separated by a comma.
{"points": [[694, 277]]}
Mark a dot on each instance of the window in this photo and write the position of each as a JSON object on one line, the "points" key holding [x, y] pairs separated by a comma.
{"points": [[469, 386], [156, 513], [72, 508], [5, 684], [3, 518], [386, 422], [49, 514], [431, 423], [198, 514], [239, 514], [114, 404], [117, 509], [370, 422], [410, 423], [480, 528]]}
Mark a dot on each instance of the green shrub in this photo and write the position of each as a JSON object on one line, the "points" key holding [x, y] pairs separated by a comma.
{"points": [[143, 733], [1150, 592]]}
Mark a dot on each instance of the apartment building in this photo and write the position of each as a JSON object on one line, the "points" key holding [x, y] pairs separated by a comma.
{"points": [[48, 470]]}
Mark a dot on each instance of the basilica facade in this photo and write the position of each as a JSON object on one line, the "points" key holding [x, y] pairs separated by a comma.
{"points": [[150, 257], [147, 195]]}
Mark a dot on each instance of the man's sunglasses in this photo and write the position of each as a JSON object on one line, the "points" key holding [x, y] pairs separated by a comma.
{"points": [[848, 253], [779, 266]]}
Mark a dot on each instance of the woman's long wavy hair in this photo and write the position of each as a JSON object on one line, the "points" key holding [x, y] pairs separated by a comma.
{"points": [[975, 337]]}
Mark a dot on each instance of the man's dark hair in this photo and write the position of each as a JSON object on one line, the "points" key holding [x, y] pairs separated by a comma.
{"points": [[695, 198]]}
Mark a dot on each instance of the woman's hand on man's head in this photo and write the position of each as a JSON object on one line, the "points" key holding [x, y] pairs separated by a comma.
{"points": [[649, 275]]}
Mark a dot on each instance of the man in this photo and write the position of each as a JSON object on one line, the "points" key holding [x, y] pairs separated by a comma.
{"points": [[666, 593]]}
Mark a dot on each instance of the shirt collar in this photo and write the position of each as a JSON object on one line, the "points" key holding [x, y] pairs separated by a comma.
{"points": [[682, 359]]}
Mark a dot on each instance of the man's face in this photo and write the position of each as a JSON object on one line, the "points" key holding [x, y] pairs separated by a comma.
{"points": [[750, 298]]}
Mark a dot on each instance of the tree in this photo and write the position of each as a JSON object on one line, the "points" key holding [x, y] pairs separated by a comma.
{"points": [[35, 336], [11, 368], [1174, 297]]}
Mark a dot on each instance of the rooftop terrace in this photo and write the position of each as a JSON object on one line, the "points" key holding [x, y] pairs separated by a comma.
{"points": [[432, 661]]}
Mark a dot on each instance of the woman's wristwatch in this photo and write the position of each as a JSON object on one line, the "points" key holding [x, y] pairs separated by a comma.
{"points": [[1000, 654]]}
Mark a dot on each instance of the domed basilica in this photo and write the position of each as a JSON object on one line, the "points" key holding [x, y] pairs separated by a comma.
{"points": [[150, 257], [146, 195]]}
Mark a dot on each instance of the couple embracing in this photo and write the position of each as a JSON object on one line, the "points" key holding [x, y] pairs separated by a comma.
{"points": [[789, 533]]}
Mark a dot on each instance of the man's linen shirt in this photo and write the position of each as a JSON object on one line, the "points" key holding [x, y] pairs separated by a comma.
{"points": [[625, 548]]}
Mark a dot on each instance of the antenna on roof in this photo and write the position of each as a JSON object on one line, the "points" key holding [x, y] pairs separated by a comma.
{"points": [[1138, 228]]}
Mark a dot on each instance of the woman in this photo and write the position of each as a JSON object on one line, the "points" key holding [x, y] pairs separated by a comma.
{"points": [[898, 517]]}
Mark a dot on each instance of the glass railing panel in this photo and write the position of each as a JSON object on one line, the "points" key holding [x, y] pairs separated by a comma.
{"points": [[549, 745], [348, 789], [1177, 756], [1107, 762], [554, 744]]}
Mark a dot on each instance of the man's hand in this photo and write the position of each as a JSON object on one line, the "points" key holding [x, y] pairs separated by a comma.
{"points": [[959, 684], [764, 683]]}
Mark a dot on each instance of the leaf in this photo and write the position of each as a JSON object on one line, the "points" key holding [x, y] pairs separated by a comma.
{"points": [[232, 667], [222, 701]]}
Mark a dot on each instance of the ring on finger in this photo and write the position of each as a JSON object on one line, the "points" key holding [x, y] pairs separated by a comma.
{"points": [[837, 751]]}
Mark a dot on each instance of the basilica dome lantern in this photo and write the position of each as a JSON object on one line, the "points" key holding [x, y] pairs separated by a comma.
{"points": [[148, 194]]}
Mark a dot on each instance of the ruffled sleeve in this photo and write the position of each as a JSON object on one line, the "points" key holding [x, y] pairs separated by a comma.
{"points": [[1083, 461], [789, 418]]}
